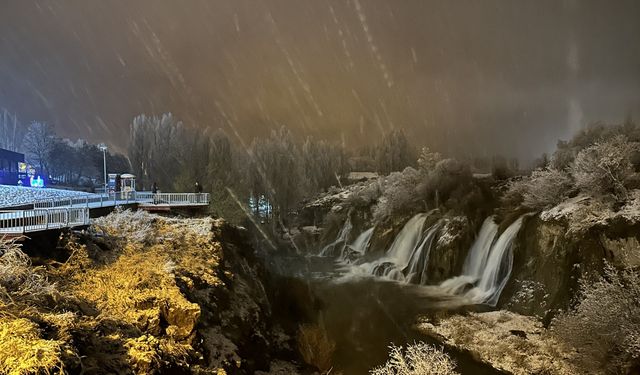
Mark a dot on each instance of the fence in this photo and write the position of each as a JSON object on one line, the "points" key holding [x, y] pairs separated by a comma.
{"points": [[173, 199], [24, 221], [120, 198], [89, 200], [74, 211]]}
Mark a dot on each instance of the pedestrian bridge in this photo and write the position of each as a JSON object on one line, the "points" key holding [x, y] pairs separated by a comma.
{"points": [[75, 211]]}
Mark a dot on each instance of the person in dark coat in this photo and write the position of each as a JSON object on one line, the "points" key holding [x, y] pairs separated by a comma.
{"points": [[154, 190], [198, 191]]}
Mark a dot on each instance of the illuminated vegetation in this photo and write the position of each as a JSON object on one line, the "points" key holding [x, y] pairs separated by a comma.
{"points": [[117, 303]]}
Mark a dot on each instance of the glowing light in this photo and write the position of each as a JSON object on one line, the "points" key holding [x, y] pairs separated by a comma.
{"points": [[37, 182]]}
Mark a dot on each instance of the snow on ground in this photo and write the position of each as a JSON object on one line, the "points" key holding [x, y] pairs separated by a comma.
{"points": [[19, 195], [582, 213]]}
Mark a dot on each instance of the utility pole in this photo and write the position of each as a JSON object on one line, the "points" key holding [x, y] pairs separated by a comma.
{"points": [[103, 148]]}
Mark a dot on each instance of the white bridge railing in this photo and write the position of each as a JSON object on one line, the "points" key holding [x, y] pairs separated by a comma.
{"points": [[124, 198], [88, 200], [74, 211], [25, 221], [173, 199]]}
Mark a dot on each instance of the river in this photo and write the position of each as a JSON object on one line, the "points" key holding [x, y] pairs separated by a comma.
{"points": [[365, 315]]}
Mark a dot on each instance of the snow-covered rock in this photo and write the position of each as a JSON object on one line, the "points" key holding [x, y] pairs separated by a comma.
{"points": [[582, 213], [11, 196], [511, 343]]}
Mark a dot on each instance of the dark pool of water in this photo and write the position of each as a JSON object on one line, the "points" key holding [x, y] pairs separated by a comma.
{"points": [[364, 316]]}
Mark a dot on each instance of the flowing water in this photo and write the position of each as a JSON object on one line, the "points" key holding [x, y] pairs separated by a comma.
{"points": [[358, 247], [367, 306], [338, 246], [365, 316], [488, 265]]}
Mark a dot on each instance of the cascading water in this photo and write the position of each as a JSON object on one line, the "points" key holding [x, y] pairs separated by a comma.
{"points": [[407, 257], [358, 247], [488, 265], [340, 242], [416, 271]]}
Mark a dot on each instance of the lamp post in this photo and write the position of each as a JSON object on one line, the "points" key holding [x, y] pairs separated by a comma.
{"points": [[103, 148]]}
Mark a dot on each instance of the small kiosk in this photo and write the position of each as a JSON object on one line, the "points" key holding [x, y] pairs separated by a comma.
{"points": [[122, 183]]}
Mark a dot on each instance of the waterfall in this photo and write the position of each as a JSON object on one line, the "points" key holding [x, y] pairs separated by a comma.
{"points": [[488, 266], [406, 241], [341, 240], [358, 247], [416, 271], [407, 257]]}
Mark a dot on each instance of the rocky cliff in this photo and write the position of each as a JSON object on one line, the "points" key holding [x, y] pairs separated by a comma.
{"points": [[139, 293]]}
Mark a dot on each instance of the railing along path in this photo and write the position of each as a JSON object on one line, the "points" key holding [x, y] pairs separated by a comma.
{"points": [[73, 211]]}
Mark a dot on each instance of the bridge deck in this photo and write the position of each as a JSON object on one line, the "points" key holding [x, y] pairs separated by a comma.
{"points": [[75, 211]]}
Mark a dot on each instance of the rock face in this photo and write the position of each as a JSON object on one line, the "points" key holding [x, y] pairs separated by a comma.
{"points": [[508, 342], [446, 258], [145, 294], [559, 246]]}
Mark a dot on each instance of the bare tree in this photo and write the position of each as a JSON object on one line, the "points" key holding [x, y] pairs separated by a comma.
{"points": [[38, 143], [394, 153]]}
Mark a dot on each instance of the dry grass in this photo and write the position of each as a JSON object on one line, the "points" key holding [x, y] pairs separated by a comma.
{"points": [[417, 359], [24, 351], [19, 280], [124, 288], [316, 346], [138, 289]]}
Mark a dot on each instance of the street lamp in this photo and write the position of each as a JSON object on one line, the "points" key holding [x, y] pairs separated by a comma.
{"points": [[103, 148]]}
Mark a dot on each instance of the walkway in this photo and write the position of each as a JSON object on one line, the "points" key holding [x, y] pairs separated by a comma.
{"points": [[75, 211]]}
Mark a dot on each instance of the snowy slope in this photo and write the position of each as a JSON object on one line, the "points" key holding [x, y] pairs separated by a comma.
{"points": [[17, 195]]}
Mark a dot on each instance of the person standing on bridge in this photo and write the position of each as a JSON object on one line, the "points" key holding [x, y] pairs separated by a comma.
{"points": [[154, 190], [198, 191]]}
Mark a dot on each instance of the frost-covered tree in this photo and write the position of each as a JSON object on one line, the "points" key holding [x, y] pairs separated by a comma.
{"points": [[605, 167], [604, 327], [38, 143], [448, 176], [399, 194], [543, 189], [428, 160], [276, 170], [323, 164], [156, 146]]}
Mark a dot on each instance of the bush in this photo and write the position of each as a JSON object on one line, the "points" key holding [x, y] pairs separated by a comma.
{"points": [[543, 189], [418, 359], [605, 167], [316, 347], [605, 325], [448, 178], [136, 226], [399, 194], [19, 280]]}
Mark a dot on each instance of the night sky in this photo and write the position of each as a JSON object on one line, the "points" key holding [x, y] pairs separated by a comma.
{"points": [[464, 77]]}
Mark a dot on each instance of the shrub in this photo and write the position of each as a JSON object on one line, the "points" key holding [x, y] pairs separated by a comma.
{"points": [[543, 189], [136, 226], [418, 359], [605, 325], [19, 280], [316, 346], [399, 194], [605, 167], [24, 351], [447, 177], [365, 196]]}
